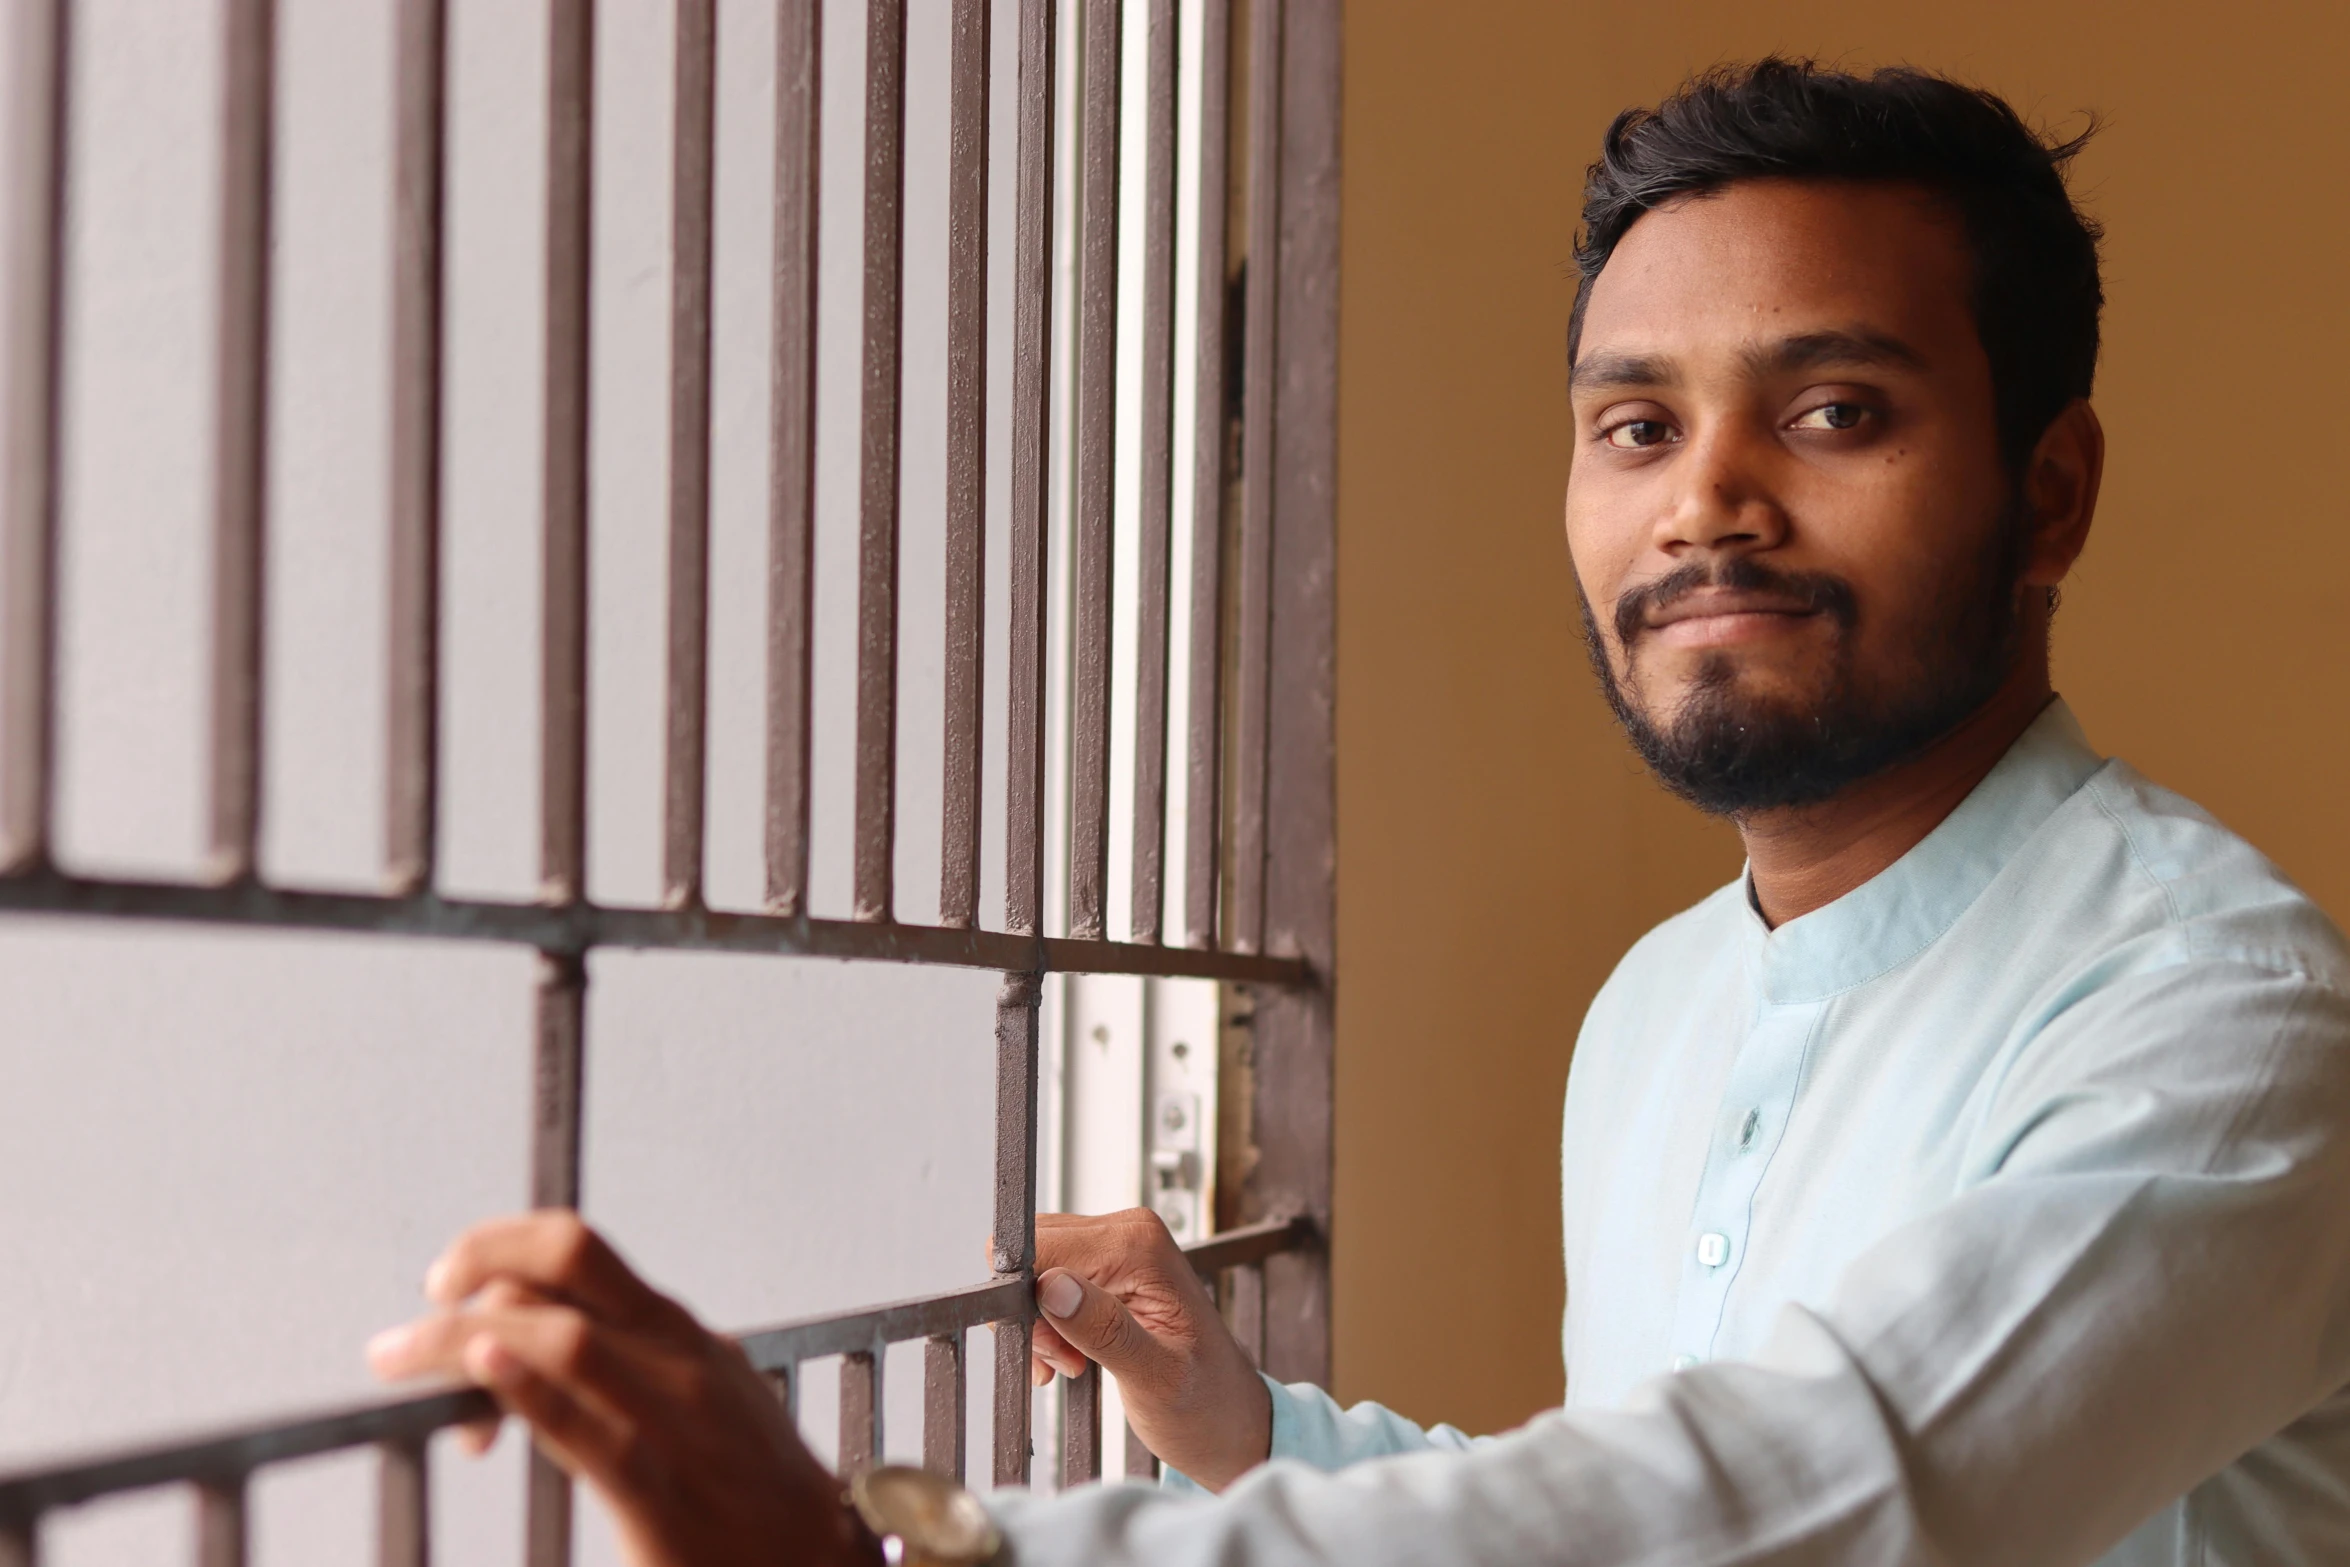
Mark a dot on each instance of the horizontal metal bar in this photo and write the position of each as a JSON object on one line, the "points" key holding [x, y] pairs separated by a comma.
{"points": [[229, 1454], [1250, 1243], [580, 926], [406, 1423], [858, 1331]]}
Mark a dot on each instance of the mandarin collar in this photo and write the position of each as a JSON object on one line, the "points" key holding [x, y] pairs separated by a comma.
{"points": [[1905, 908]]}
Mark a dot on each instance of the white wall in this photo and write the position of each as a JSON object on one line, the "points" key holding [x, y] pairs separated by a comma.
{"points": [[226, 1158]]}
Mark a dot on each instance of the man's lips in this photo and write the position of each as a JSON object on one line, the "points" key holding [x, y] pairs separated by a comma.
{"points": [[1710, 619]]}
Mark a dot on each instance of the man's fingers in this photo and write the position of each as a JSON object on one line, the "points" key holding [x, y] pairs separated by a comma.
{"points": [[584, 1439], [1091, 1321], [551, 1251], [1050, 1353]]}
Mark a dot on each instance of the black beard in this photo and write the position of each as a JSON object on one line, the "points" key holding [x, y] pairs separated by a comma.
{"points": [[1731, 755]]}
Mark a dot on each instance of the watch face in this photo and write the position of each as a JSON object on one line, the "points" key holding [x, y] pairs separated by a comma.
{"points": [[939, 1521]]}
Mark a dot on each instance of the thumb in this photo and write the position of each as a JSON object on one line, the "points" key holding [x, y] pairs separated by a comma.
{"points": [[1097, 1326]]}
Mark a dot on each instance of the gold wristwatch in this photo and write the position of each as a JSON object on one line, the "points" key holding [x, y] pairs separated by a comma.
{"points": [[923, 1519]]}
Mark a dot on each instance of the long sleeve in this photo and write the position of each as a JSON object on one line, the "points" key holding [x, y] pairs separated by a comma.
{"points": [[2145, 1277], [1315, 1429]]}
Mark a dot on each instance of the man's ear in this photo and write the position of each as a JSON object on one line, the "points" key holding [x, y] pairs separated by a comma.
{"points": [[2060, 493]]}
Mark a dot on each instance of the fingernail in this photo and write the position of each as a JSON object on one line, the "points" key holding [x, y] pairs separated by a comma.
{"points": [[1061, 1295], [435, 1277], [389, 1343]]}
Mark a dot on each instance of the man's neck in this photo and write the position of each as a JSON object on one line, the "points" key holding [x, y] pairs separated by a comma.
{"points": [[1805, 859]]}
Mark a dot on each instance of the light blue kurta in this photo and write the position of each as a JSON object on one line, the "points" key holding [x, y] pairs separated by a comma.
{"points": [[1996, 1213]]}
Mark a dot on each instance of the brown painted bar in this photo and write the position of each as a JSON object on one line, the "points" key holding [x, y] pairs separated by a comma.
{"points": [[966, 517], [403, 1498], [943, 1401], [791, 437], [1154, 536], [1253, 736], [860, 1411], [1211, 469], [1081, 1427], [1014, 1240], [877, 507], [785, 1381], [556, 1081], [1291, 1103], [563, 565], [687, 756], [400, 1428], [222, 1533], [1032, 299], [241, 440], [1141, 1462], [577, 926], [30, 411], [1095, 497], [412, 743]]}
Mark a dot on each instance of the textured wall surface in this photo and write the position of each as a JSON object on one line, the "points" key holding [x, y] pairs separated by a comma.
{"points": [[1499, 847]]}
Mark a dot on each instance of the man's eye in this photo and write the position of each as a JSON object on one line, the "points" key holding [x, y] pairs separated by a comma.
{"points": [[1832, 416], [1633, 434]]}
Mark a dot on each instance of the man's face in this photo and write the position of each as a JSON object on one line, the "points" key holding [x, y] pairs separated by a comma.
{"points": [[1795, 539]]}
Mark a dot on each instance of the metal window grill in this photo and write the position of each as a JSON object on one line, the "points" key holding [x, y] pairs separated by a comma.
{"points": [[1257, 746]]}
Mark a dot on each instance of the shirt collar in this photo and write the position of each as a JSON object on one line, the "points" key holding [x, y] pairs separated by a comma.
{"points": [[1903, 909]]}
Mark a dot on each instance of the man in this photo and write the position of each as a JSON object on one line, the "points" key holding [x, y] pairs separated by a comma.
{"points": [[1967, 1183]]}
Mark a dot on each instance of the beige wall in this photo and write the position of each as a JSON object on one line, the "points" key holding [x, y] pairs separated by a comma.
{"points": [[1498, 847]]}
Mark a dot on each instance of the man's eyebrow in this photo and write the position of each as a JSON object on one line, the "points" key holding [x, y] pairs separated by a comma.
{"points": [[1814, 350], [1621, 370]]}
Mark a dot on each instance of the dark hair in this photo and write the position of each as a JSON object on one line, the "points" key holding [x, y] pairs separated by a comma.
{"points": [[2036, 288]]}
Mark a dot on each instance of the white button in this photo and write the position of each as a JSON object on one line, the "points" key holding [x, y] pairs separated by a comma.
{"points": [[1684, 1362], [1712, 1249]]}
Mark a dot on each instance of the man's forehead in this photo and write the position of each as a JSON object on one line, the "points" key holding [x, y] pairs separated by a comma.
{"points": [[1746, 270]]}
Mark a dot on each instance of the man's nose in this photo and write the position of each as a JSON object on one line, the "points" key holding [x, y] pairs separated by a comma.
{"points": [[1722, 498]]}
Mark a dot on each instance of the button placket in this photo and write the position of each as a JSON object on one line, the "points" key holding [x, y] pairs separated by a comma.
{"points": [[1756, 1103]]}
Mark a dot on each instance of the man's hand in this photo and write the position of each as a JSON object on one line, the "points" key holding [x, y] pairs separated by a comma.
{"points": [[685, 1442], [1117, 1290]]}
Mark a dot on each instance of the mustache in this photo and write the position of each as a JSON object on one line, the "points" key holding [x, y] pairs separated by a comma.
{"points": [[1812, 591]]}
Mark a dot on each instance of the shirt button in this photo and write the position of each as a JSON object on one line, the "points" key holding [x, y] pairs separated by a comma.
{"points": [[1684, 1362], [1747, 1128], [1713, 1249]]}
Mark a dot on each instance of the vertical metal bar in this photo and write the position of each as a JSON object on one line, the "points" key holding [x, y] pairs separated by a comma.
{"points": [[1081, 1427], [877, 548], [241, 439], [560, 1015], [786, 1383], [1157, 476], [689, 455], [1014, 1241], [563, 655], [791, 496], [412, 784], [860, 1410], [221, 1534], [1141, 1462], [403, 1493], [1293, 1026], [958, 884], [1097, 437], [943, 1399], [1240, 1296], [30, 412], [1258, 457], [1032, 295], [1203, 789], [20, 1542]]}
